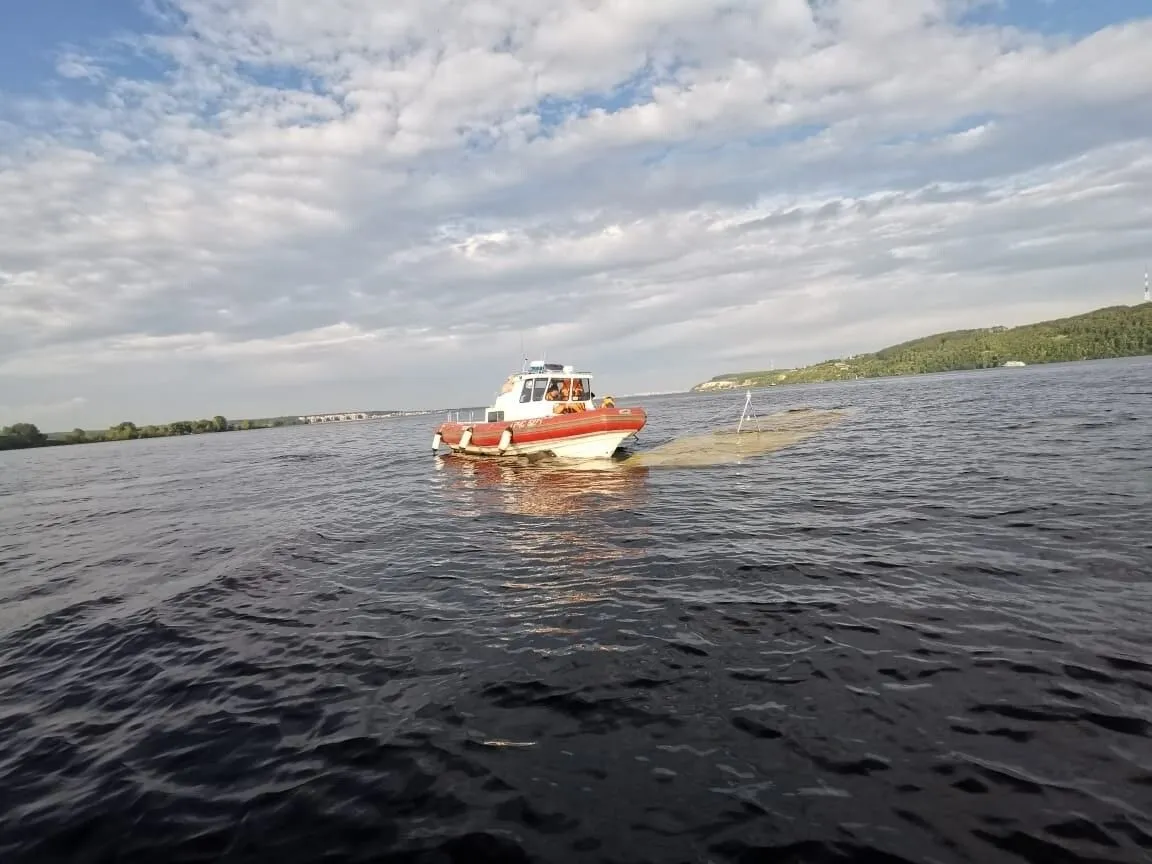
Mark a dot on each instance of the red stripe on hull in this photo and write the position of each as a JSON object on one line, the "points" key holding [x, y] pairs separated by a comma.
{"points": [[544, 429]]}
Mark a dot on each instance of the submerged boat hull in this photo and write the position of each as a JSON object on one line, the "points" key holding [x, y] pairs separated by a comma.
{"points": [[593, 434]]}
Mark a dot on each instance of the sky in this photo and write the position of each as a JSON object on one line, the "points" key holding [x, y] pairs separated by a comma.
{"points": [[266, 207]]}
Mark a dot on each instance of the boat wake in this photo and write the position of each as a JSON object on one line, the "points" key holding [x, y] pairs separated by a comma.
{"points": [[754, 436], [757, 437]]}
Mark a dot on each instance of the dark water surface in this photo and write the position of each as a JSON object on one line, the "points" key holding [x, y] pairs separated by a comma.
{"points": [[924, 634]]}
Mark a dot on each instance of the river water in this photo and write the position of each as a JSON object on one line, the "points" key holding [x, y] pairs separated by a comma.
{"points": [[922, 634]]}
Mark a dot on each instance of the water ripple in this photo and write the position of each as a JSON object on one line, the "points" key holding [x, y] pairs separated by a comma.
{"points": [[922, 635]]}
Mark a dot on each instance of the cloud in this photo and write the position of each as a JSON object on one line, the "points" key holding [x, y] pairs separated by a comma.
{"points": [[55, 412], [261, 205], [77, 66]]}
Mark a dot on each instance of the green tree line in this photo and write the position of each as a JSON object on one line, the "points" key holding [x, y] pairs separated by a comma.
{"points": [[20, 436], [1118, 331]]}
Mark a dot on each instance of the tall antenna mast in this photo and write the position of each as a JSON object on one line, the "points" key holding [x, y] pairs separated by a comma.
{"points": [[747, 414], [744, 413]]}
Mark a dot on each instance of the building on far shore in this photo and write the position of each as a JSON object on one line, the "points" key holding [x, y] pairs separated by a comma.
{"points": [[339, 417], [347, 416]]}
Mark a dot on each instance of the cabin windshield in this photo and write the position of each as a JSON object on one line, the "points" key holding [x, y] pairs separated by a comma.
{"points": [[556, 389], [533, 389], [567, 389]]}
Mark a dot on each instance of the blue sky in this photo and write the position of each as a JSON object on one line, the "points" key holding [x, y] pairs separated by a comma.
{"points": [[1065, 17], [34, 33], [285, 207], [34, 36]]}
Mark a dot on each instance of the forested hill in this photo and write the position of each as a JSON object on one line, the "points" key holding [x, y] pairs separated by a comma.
{"points": [[1117, 331]]}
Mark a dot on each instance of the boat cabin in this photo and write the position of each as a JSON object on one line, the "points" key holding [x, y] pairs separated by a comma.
{"points": [[542, 390]]}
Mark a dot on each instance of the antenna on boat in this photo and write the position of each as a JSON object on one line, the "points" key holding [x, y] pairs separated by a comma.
{"points": [[745, 414]]}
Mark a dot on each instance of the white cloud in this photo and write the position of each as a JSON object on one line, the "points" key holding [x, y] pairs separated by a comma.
{"points": [[378, 202], [78, 67]]}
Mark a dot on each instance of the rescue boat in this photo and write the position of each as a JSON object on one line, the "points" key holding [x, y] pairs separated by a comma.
{"points": [[546, 408]]}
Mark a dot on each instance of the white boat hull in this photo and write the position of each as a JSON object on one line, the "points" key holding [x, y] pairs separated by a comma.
{"points": [[588, 434], [599, 445]]}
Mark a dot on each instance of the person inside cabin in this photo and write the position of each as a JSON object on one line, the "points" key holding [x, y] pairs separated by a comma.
{"points": [[553, 394], [578, 391], [565, 389]]}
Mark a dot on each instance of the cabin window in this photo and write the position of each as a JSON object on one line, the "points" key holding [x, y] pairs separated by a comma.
{"points": [[559, 389], [540, 385], [526, 393], [495, 416], [581, 390]]}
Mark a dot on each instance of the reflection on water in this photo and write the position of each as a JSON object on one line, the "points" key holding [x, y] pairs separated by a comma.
{"points": [[583, 521], [546, 488], [577, 519]]}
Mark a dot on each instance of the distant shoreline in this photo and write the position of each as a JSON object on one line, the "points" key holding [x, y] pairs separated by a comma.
{"points": [[26, 436], [1104, 334], [863, 378]]}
